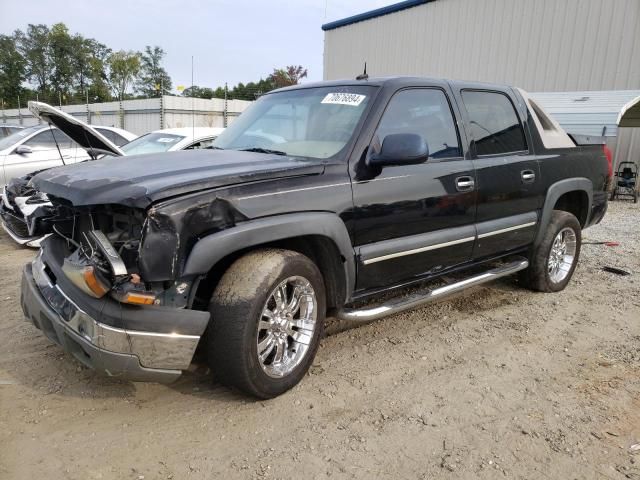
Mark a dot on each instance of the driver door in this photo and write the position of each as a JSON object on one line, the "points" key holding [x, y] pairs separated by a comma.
{"points": [[412, 221]]}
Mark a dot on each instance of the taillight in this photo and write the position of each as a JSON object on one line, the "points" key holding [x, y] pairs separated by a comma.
{"points": [[609, 154]]}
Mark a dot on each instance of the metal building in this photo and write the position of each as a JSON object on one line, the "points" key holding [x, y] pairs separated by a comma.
{"points": [[588, 48], [538, 45], [614, 114], [145, 115]]}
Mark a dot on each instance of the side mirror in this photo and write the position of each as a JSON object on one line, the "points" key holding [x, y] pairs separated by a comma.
{"points": [[401, 149], [23, 150]]}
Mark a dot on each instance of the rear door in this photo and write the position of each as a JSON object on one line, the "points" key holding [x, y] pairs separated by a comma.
{"points": [[507, 173], [415, 220]]}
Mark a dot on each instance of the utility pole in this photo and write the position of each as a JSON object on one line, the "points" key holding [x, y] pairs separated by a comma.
{"points": [[19, 112], [224, 113], [88, 111]]}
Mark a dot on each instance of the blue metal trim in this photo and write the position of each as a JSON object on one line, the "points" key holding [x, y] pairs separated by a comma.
{"points": [[378, 12]]}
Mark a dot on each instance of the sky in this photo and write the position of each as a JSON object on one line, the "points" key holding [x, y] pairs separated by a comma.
{"points": [[231, 41]]}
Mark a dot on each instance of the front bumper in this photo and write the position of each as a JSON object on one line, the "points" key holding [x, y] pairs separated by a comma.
{"points": [[119, 352], [15, 224]]}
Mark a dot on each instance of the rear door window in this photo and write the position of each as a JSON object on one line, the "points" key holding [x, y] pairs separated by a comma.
{"points": [[426, 112], [495, 126]]}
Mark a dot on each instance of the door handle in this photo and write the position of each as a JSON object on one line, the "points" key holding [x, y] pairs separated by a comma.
{"points": [[528, 176], [465, 184]]}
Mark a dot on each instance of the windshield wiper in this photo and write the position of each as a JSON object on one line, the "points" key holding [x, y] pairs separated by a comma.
{"points": [[262, 150]]}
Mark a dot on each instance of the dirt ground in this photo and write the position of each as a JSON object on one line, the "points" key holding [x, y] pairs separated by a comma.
{"points": [[500, 382]]}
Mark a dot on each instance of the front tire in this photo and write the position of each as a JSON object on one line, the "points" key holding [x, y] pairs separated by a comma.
{"points": [[554, 260], [267, 318]]}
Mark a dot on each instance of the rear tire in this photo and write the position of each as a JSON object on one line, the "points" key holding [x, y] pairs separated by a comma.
{"points": [[267, 318], [554, 260]]}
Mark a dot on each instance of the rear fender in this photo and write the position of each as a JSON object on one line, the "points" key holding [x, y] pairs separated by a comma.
{"points": [[554, 192]]}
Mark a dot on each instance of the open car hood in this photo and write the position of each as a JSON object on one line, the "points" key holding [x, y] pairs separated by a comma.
{"points": [[84, 135]]}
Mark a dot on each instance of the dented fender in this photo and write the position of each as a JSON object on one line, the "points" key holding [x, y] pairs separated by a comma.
{"points": [[172, 228]]}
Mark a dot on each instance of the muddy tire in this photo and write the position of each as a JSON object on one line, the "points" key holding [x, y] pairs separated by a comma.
{"points": [[554, 260], [267, 318]]}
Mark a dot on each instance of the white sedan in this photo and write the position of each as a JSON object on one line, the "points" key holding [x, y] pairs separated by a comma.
{"points": [[36, 148], [24, 211], [172, 139]]}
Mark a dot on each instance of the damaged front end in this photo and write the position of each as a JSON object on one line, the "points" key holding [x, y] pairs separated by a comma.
{"points": [[107, 287], [135, 256], [26, 213], [103, 244]]}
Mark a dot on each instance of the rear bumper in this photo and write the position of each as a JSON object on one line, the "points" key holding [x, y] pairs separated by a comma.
{"points": [[119, 352]]}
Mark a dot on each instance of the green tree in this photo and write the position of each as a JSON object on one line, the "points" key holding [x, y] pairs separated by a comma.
{"points": [[153, 79], [99, 90], [35, 49], [124, 66], [12, 70], [198, 92], [61, 49], [290, 75], [88, 60]]}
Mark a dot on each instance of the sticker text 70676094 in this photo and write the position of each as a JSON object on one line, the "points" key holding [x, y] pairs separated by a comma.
{"points": [[352, 99]]}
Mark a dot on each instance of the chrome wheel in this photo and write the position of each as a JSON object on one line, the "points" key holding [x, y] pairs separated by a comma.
{"points": [[562, 255], [286, 326]]}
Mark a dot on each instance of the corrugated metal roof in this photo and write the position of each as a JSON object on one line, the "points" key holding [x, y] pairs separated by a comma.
{"points": [[378, 12], [587, 112]]}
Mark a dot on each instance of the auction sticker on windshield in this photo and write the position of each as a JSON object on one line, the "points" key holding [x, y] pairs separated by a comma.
{"points": [[166, 140], [353, 99]]}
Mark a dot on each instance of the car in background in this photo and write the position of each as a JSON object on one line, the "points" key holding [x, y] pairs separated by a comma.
{"points": [[173, 139], [44, 146], [6, 130], [26, 213]]}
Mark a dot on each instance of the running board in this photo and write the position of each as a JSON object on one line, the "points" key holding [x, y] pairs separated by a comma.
{"points": [[401, 304]]}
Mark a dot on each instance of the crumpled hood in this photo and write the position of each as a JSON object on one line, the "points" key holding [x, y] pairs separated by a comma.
{"points": [[138, 181]]}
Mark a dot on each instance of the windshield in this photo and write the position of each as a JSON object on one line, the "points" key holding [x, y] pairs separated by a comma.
{"points": [[309, 122], [14, 138], [151, 143]]}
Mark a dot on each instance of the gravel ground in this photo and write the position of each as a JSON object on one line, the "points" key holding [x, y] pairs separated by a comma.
{"points": [[500, 382]]}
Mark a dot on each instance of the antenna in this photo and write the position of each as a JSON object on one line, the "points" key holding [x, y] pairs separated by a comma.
{"points": [[364, 75], [193, 111]]}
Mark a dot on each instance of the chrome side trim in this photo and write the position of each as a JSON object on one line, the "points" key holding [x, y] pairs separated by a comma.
{"points": [[401, 303], [508, 229], [303, 189], [418, 250]]}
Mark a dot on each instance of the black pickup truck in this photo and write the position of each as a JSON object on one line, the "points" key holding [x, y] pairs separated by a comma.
{"points": [[323, 199]]}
